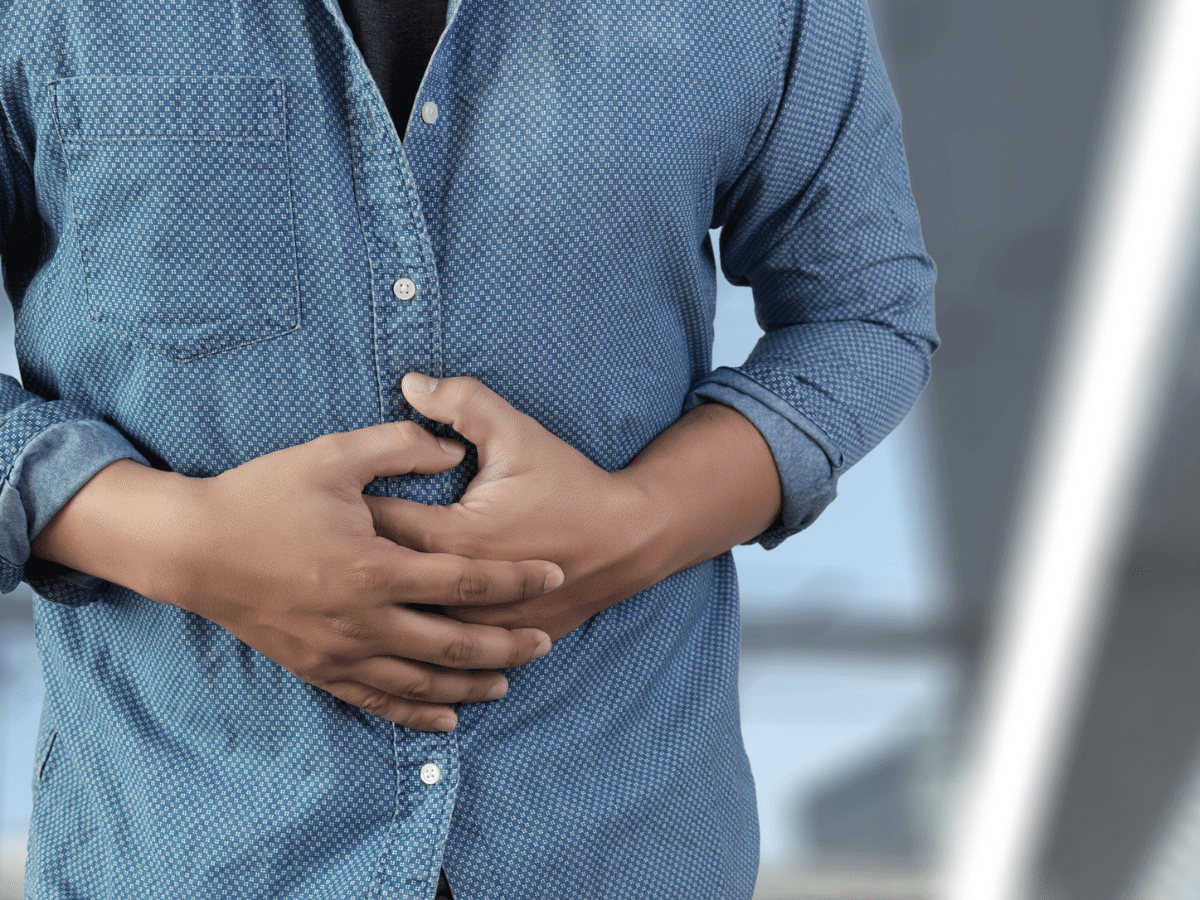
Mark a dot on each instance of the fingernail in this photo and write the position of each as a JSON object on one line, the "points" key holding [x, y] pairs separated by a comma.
{"points": [[553, 580], [420, 384], [499, 689], [542, 648], [448, 447], [446, 723]]}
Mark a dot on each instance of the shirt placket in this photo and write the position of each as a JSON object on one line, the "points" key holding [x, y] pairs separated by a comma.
{"points": [[404, 286], [427, 775], [406, 337]]}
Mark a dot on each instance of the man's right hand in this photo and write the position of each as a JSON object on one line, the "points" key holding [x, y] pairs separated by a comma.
{"points": [[282, 552]]}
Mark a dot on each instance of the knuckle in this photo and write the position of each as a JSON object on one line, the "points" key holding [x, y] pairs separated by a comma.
{"points": [[419, 686], [364, 579], [462, 651], [409, 433], [376, 703], [349, 628], [472, 588]]}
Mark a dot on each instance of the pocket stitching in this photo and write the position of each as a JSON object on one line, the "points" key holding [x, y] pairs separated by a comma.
{"points": [[293, 317]]}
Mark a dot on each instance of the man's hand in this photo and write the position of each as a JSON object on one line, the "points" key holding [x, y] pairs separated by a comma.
{"points": [[282, 552], [533, 492], [703, 486]]}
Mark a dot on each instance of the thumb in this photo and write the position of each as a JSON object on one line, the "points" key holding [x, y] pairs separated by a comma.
{"points": [[470, 407], [395, 448]]}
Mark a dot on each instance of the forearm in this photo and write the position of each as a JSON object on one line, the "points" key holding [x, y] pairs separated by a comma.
{"points": [[705, 485], [121, 526]]}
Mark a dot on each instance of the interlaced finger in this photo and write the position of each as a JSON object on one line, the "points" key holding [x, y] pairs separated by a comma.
{"points": [[443, 579], [411, 524], [424, 683], [396, 448], [442, 641], [410, 713]]}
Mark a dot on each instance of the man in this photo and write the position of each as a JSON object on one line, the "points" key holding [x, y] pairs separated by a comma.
{"points": [[231, 284]]}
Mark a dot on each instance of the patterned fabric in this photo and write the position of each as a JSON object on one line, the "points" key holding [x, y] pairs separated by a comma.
{"points": [[203, 208]]}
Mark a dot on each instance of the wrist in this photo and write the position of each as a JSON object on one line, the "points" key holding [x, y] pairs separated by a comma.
{"points": [[126, 525], [707, 484], [645, 548]]}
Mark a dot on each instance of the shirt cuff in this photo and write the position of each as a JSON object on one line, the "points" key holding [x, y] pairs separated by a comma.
{"points": [[44, 476], [808, 462]]}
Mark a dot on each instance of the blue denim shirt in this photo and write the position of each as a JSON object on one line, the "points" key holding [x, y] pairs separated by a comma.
{"points": [[203, 209]]}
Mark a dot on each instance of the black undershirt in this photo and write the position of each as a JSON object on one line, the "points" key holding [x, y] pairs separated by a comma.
{"points": [[396, 38]]}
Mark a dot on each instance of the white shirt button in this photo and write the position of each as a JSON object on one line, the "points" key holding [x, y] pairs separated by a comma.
{"points": [[431, 773], [404, 289], [429, 112]]}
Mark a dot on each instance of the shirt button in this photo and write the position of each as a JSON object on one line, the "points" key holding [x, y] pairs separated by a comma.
{"points": [[431, 773], [429, 112], [404, 289]]}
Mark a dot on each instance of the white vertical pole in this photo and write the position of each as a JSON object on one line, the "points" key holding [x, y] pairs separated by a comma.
{"points": [[1095, 429]]}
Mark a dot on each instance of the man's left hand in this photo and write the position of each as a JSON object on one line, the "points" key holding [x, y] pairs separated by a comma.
{"points": [[534, 497]]}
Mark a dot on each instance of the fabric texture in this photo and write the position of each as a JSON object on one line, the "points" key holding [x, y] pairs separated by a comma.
{"points": [[203, 209]]}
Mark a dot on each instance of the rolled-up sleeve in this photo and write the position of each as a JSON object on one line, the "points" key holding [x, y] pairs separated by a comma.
{"points": [[820, 222]]}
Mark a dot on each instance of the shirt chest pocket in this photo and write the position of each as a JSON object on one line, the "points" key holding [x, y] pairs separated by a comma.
{"points": [[182, 200]]}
